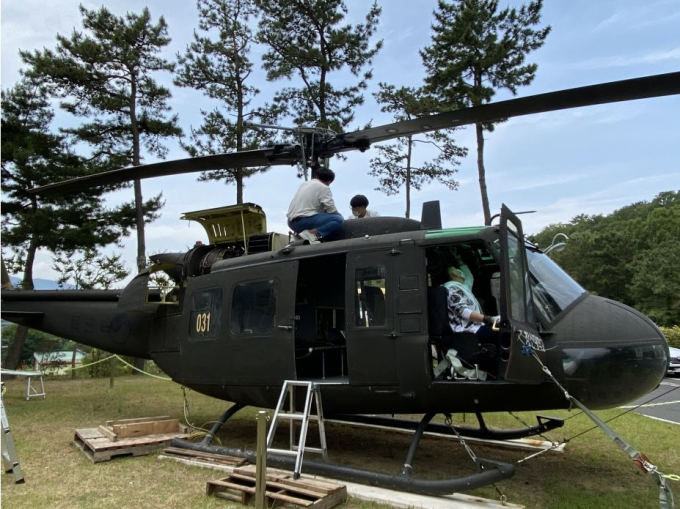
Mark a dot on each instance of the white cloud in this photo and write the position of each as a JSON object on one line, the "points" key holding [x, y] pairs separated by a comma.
{"points": [[544, 182], [612, 20], [652, 57]]}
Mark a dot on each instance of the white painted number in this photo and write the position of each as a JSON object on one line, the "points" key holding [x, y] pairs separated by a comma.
{"points": [[203, 322]]}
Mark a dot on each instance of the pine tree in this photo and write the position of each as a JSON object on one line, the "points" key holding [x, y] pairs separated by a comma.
{"points": [[394, 163], [106, 76], [90, 270], [221, 68], [307, 40], [477, 50], [33, 156]]}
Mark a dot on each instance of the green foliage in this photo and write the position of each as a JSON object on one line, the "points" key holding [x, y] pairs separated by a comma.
{"points": [[394, 163], [307, 40], [631, 255], [476, 50], [90, 270], [221, 69], [36, 341], [672, 335], [33, 156], [105, 75]]}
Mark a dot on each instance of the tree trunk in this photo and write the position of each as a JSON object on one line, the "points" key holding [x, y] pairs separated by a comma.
{"points": [[408, 178], [139, 200], [6, 282], [14, 352], [13, 358], [482, 173], [73, 362], [239, 186], [141, 241]]}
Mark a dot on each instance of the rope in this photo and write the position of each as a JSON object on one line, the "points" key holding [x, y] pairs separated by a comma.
{"points": [[90, 364], [629, 408], [186, 418], [639, 459], [142, 371], [121, 360]]}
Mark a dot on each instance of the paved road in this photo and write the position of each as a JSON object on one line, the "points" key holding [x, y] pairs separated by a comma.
{"points": [[667, 406]]}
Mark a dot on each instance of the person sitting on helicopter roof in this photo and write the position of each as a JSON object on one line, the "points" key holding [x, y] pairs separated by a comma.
{"points": [[359, 205], [312, 213], [465, 315]]}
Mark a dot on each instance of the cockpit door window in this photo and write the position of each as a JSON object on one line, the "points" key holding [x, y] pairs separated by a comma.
{"points": [[519, 335]]}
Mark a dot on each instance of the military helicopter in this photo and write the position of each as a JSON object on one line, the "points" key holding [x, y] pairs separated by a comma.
{"points": [[364, 315]]}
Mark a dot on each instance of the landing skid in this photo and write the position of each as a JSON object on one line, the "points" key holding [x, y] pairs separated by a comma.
{"points": [[487, 471], [482, 432]]}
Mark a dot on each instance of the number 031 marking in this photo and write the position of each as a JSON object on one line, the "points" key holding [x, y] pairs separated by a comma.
{"points": [[203, 322]]}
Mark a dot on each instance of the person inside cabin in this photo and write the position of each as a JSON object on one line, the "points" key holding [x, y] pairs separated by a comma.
{"points": [[359, 206], [465, 315], [312, 213]]}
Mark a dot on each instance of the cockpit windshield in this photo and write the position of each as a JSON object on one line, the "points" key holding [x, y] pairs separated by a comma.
{"points": [[553, 289]]}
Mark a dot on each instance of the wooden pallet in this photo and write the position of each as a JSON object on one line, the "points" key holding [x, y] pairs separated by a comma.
{"points": [[281, 487], [98, 444], [205, 457]]}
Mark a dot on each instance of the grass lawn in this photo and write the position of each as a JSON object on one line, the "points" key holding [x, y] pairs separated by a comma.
{"points": [[592, 473]]}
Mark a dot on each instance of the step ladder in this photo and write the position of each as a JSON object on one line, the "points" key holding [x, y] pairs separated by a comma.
{"points": [[10, 457], [297, 450]]}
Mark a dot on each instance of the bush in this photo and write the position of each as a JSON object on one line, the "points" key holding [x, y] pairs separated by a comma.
{"points": [[672, 335]]}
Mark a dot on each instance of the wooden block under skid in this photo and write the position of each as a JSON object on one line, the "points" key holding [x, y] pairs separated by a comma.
{"points": [[128, 428], [303, 492], [97, 443]]}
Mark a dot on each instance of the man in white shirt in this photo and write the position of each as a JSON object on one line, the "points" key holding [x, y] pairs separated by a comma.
{"points": [[312, 213], [359, 210]]}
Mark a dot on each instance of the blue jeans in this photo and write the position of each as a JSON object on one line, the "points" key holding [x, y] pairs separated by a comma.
{"points": [[324, 223]]}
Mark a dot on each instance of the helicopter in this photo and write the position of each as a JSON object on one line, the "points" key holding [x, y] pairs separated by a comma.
{"points": [[363, 315]]}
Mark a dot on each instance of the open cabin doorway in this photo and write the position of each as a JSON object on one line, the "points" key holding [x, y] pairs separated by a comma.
{"points": [[320, 343], [478, 357]]}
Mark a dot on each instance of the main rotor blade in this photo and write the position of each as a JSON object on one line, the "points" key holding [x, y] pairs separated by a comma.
{"points": [[626, 90], [259, 157]]}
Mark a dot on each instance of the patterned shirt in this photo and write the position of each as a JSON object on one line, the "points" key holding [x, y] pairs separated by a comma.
{"points": [[461, 303]]}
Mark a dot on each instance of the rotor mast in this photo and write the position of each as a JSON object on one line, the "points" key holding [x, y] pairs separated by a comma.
{"points": [[310, 142]]}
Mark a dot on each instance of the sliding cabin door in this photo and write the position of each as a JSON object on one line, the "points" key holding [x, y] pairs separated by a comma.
{"points": [[371, 336], [252, 342]]}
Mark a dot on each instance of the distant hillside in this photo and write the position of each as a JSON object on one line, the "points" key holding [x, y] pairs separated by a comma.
{"points": [[42, 284]]}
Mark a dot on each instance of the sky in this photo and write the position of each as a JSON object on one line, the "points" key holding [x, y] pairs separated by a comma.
{"points": [[560, 164]]}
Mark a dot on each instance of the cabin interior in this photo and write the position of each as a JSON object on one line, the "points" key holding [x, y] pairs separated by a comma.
{"points": [[320, 344], [320, 314]]}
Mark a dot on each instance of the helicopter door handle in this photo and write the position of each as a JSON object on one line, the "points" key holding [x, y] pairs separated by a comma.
{"points": [[286, 327], [392, 335]]}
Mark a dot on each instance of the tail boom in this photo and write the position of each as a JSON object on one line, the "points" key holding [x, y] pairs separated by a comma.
{"points": [[90, 317]]}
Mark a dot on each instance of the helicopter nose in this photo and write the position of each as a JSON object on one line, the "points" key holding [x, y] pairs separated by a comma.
{"points": [[611, 353]]}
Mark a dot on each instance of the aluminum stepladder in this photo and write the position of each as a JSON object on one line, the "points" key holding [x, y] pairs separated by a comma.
{"points": [[10, 457], [297, 450]]}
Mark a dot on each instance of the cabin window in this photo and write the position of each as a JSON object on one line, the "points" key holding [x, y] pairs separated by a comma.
{"points": [[369, 296], [253, 307], [206, 314]]}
